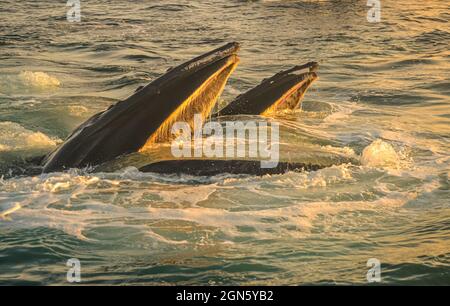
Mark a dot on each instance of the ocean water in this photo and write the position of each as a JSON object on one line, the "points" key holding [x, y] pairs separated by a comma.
{"points": [[380, 112]]}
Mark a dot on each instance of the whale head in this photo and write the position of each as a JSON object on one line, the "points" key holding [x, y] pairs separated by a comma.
{"points": [[146, 116], [283, 91]]}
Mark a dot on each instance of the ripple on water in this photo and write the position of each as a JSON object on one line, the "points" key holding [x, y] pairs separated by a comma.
{"points": [[319, 227]]}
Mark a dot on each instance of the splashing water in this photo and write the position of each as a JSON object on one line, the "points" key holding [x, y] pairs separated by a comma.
{"points": [[380, 154], [379, 115], [20, 142], [38, 79]]}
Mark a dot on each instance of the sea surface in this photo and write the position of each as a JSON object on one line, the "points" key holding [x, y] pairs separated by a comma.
{"points": [[382, 101]]}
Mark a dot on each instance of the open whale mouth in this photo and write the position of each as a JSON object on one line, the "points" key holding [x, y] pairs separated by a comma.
{"points": [[300, 82], [201, 99], [283, 91], [146, 117]]}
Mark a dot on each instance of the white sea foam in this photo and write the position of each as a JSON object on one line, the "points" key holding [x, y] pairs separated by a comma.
{"points": [[297, 180], [14, 138], [78, 110], [295, 221], [341, 113], [38, 79], [186, 194], [380, 154], [343, 151], [75, 202]]}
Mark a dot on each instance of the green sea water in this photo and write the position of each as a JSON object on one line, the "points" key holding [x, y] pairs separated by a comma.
{"points": [[382, 86]]}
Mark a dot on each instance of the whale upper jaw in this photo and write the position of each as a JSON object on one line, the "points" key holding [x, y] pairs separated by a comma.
{"points": [[146, 116], [283, 91]]}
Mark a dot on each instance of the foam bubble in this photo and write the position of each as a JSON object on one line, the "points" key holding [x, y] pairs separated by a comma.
{"points": [[16, 138], [185, 195], [379, 154], [38, 79], [343, 151], [78, 110]]}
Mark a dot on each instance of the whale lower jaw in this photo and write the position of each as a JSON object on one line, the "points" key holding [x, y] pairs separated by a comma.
{"points": [[147, 116], [202, 101], [282, 92], [292, 98], [215, 167]]}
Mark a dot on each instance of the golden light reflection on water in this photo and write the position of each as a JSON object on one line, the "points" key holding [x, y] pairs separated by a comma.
{"points": [[388, 80]]}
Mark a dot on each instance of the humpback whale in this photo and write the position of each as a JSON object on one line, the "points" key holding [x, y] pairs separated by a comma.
{"points": [[147, 115], [283, 91]]}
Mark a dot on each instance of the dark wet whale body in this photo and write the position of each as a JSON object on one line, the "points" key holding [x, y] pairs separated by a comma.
{"points": [[283, 91], [215, 167], [144, 117], [193, 87]]}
